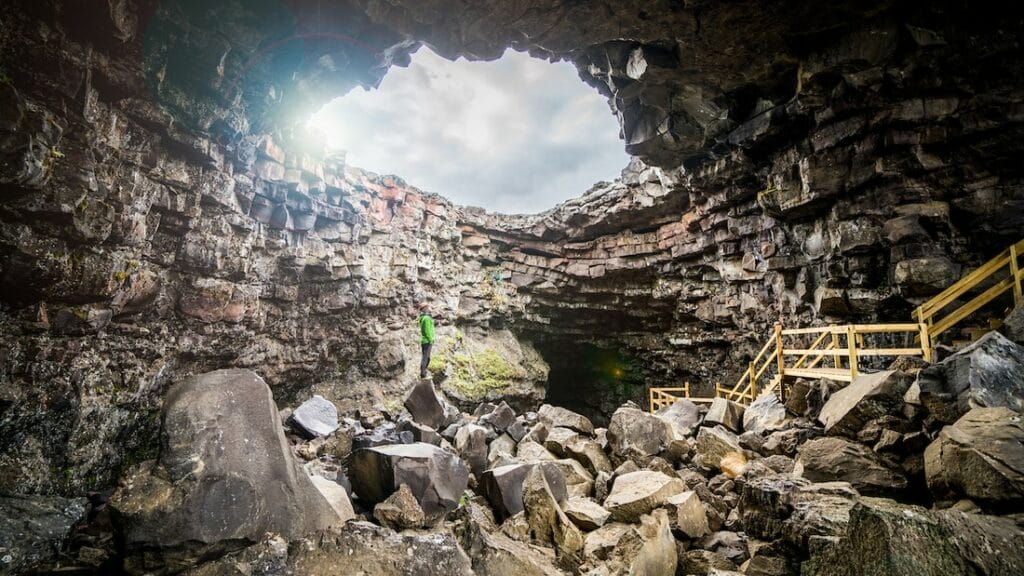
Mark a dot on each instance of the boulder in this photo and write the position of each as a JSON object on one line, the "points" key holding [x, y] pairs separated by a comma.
{"points": [[317, 416], [646, 547], [471, 444], [766, 414], [578, 482], [682, 416], [986, 374], [548, 524], [636, 435], [34, 530], [637, 493], [425, 406], [703, 562], [567, 443], [370, 550], [528, 451], [786, 442], [782, 506], [503, 486], [730, 545], [495, 554], [419, 432], [501, 451], [713, 445], [336, 495], [837, 459], [384, 435], [556, 416], [225, 471], [1013, 326], [400, 510], [500, 418], [725, 413], [586, 513], [687, 515], [980, 457], [869, 396], [435, 477], [884, 537]]}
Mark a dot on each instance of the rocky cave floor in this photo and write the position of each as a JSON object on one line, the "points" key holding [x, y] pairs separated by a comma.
{"points": [[918, 469]]}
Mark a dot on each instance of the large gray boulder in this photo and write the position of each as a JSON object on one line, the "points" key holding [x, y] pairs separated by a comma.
{"points": [[884, 538], [832, 459], [556, 416], [782, 506], [567, 443], [435, 477], [548, 523], [869, 396], [725, 413], [34, 529], [1013, 326], [714, 445], [503, 486], [636, 435], [471, 444], [495, 554], [426, 406], [317, 416], [988, 374], [980, 457], [646, 547], [225, 471], [637, 493], [682, 416], [766, 414]]}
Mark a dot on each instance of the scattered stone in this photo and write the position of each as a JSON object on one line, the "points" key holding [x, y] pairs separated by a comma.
{"points": [[980, 457], [495, 554], [885, 537], [517, 430], [578, 482], [336, 495], [556, 417], [1013, 326], [730, 545], [383, 435], [400, 510], [687, 515], [766, 414], [636, 435], [471, 444], [435, 477], [714, 444], [987, 374], [637, 493], [500, 418], [34, 530], [317, 416], [725, 413], [528, 451], [868, 397], [425, 406], [586, 513], [501, 451], [837, 459], [786, 442], [682, 416], [503, 486], [703, 562], [239, 487], [548, 524]]}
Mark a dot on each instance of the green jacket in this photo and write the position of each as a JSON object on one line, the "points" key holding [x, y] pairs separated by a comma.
{"points": [[426, 329]]}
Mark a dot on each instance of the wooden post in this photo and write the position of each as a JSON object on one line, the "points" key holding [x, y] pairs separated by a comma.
{"points": [[778, 351], [686, 389], [926, 342], [836, 360], [1014, 273], [753, 383], [851, 341]]}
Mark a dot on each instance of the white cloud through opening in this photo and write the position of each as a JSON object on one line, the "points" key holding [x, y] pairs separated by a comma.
{"points": [[516, 135]]}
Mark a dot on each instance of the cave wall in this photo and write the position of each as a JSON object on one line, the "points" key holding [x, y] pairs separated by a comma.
{"points": [[164, 213]]}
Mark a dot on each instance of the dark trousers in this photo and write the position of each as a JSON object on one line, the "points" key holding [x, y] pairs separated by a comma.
{"points": [[425, 362]]}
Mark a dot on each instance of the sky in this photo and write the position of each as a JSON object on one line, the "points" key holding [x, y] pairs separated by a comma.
{"points": [[516, 135]]}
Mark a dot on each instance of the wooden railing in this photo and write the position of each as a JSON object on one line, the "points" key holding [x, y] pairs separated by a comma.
{"points": [[836, 352], [1004, 272]]}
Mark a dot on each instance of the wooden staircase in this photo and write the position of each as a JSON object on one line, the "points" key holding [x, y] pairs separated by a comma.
{"points": [[840, 352]]}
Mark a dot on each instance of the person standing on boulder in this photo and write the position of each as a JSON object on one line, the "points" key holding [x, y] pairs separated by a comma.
{"points": [[426, 338]]}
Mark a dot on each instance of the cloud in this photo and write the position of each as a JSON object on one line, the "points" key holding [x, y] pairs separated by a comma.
{"points": [[516, 135]]}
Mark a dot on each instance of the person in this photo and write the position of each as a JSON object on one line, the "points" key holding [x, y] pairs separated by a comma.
{"points": [[426, 338]]}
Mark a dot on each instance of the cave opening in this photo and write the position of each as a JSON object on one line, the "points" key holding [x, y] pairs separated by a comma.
{"points": [[516, 135]]}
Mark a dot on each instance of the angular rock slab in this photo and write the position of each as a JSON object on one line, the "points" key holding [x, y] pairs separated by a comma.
{"points": [[725, 413], [34, 529], [885, 537], [567, 443], [832, 459], [586, 513], [225, 472], [980, 457], [714, 445], [493, 553], [317, 416], [471, 444], [766, 414], [687, 515], [637, 493], [425, 406], [503, 486], [556, 416], [682, 416], [548, 523], [986, 374], [869, 396], [435, 477], [646, 547], [635, 434], [1013, 326]]}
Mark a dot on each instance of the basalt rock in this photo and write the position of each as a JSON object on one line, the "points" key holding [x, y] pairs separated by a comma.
{"points": [[868, 397], [435, 477], [765, 414], [635, 434], [637, 493], [836, 459], [503, 486], [725, 413], [34, 530], [316, 417]]}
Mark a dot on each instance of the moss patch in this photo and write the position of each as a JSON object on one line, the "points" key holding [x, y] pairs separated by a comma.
{"points": [[473, 374]]}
